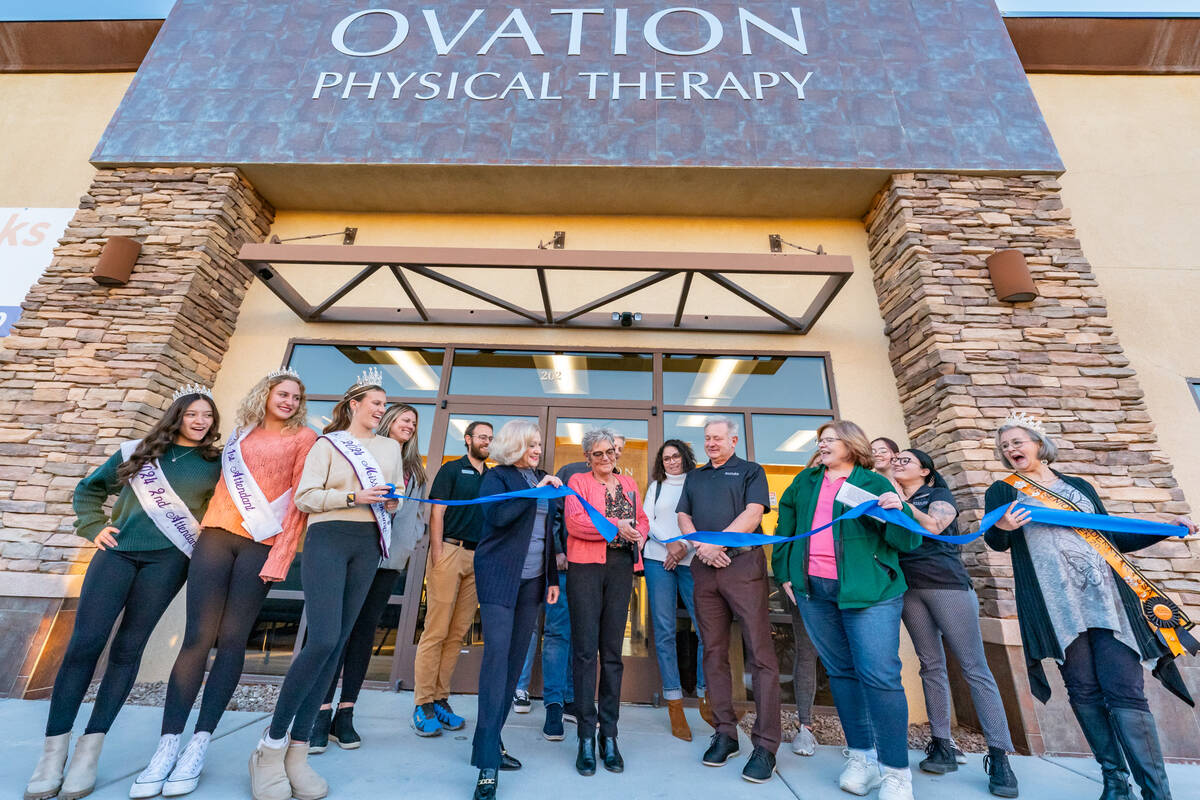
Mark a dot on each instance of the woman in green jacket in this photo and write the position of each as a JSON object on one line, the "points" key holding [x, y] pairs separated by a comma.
{"points": [[849, 588]]}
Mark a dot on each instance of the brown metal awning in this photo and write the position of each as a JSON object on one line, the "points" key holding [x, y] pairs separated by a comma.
{"points": [[264, 260]]}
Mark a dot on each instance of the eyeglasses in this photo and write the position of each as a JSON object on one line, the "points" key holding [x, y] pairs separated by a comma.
{"points": [[828, 440], [900, 461], [599, 454], [1014, 445], [676, 457]]}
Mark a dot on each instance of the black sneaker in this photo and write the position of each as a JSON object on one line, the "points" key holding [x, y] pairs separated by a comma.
{"points": [[485, 786], [552, 730], [521, 704], [760, 767], [342, 730], [1001, 780], [939, 757], [720, 749], [319, 739]]}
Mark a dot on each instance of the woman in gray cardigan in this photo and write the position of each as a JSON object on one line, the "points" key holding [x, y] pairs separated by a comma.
{"points": [[408, 528]]}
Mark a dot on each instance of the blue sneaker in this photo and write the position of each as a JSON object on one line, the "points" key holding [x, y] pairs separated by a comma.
{"points": [[445, 715], [425, 721]]}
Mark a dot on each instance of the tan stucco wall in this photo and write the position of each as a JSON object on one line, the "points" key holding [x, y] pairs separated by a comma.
{"points": [[1133, 164], [49, 125]]}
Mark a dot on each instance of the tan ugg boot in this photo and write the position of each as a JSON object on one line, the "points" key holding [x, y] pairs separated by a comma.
{"points": [[706, 713], [47, 776], [80, 779], [268, 779], [306, 783], [679, 725]]}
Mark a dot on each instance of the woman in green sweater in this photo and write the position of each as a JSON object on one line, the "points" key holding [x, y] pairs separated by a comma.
{"points": [[847, 583], [162, 484]]}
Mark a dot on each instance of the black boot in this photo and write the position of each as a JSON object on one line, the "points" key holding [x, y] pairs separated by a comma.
{"points": [[610, 755], [319, 739], [1098, 730], [485, 786], [342, 730], [1001, 780], [939, 757], [1139, 739], [585, 762]]}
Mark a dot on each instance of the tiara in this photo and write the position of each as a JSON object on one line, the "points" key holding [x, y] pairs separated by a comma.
{"points": [[286, 372], [1019, 419], [191, 388], [371, 376]]}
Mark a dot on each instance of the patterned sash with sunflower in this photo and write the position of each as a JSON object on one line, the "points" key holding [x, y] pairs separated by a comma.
{"points": [[1164, 617]]}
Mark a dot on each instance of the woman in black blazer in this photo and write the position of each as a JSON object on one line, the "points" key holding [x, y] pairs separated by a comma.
{"points": [[514, 569]]}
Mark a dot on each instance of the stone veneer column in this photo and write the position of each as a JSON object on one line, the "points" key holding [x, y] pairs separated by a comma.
{"points": [[89, 366], [963, 360]]}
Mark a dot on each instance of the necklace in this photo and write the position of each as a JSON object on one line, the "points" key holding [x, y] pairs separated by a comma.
{"points": [[188, 452]]}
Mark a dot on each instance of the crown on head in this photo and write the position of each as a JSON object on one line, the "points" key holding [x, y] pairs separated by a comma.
{"points": [[1019, 419], [191, 388], [371, 376], [286, 372]]}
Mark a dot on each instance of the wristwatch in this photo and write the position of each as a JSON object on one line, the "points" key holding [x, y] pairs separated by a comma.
{"points": [[349, 499]]}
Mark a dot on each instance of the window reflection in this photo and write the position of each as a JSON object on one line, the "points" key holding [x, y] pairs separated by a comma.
{"points": [[689, 427], [511, 373], [331, 369], [746, 381]]}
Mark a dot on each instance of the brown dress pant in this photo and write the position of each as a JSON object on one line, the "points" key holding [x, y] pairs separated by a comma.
{"points": [[449, 611], [738, 590]]}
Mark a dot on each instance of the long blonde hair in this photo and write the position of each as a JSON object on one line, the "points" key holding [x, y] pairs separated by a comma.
{"points": [[253, 408], [410, 450]]}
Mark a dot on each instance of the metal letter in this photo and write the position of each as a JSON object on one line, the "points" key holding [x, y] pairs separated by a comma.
{"points": [[576, 38], [759, 77], [435, 30], [523, 31], [339, 32], [797, 42], [321, 84], [715, 31], [469, 85]]}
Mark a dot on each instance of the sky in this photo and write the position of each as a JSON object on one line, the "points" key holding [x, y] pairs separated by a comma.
{"points": [[27, 10]]}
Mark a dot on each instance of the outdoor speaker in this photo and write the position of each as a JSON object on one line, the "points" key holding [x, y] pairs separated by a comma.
{"points": [[1010, 276], [117, 258]]}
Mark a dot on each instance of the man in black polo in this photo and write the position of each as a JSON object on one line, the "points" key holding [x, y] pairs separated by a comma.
{"points": [[730, 494], [449, 583]]}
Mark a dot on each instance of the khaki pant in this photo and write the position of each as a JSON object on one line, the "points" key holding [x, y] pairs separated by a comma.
{"points": [[449, 611]]}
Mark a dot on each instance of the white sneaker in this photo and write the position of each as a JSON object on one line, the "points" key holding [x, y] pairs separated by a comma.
{"points": [[186, 775], [896, 783], [150, 782], [521, 704], [804, 743], [861, 773]]}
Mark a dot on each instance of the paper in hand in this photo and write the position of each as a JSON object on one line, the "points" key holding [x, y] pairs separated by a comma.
{"points": [[850, 496]]}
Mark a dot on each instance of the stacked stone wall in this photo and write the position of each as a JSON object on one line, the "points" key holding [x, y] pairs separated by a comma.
{"points": [[963, 360], [88, 366]]}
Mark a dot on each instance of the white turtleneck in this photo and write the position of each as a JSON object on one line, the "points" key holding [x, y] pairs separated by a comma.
{"points": [[660, 507]]}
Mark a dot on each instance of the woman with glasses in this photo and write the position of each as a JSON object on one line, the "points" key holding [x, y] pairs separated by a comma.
{"points": [[599, 583], [940, 606], [669, 576], [847, 583], [1074, 607]]}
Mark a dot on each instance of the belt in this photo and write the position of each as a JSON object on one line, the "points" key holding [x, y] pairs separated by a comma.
{"points": [[737, 551], [463, 543]]}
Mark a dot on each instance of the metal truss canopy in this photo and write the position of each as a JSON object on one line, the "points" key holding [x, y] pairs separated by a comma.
{"points": [[426, 261]]}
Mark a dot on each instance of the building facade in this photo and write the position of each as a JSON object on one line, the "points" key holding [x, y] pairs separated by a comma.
{"points": [[632, 216]]}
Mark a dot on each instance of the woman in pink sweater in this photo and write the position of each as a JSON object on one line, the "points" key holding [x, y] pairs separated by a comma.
{"points": [[248, 540], [599, 582]]}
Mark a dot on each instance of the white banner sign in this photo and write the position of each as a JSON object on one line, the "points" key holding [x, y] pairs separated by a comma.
{"points": [[27, 240]]}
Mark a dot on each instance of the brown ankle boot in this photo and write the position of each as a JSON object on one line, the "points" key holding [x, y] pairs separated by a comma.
{"points": [[706, 713], [679, 726]]}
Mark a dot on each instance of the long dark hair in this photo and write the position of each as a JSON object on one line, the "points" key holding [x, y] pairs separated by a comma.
{"points": [[162, 436], [934, 478], [659, 472], [339, 418]]}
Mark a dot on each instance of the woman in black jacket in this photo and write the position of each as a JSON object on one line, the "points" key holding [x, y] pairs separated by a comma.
{"points": [[515, 568], [1073, 607]]}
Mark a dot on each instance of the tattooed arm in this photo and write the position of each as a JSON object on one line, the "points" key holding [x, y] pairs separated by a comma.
{"points": [[938, 517]]}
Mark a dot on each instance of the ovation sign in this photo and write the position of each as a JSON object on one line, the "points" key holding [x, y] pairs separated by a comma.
{"points": [[882, 84]]}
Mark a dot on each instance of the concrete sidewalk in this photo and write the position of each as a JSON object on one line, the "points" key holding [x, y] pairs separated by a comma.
{"points": [[394, 763]]}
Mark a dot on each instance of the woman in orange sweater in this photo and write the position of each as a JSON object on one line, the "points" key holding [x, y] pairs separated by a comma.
{"points": [[599, 582], [249, 537]]}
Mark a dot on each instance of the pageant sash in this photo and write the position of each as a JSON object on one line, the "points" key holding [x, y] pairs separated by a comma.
{"points": [[1165, 618], [369, 475], [603, 526], [164, 508], [261, 518]]}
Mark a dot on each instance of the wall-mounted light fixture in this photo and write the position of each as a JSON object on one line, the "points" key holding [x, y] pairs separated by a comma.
{"points": [[1011, 277], [626, 318], [117, 258]]}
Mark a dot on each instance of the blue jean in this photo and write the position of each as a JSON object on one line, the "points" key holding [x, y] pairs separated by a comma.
{"points": [[556, 652], [663, 585], [860, 648]]}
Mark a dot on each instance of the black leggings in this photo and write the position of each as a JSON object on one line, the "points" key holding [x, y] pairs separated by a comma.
{"points": [[356, 656], [139, 583], [224, 594], [340, 559]]}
